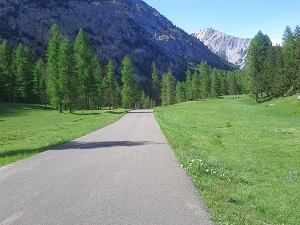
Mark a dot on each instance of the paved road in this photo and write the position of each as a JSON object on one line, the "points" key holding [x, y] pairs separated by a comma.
{"points": [[125, 173]]}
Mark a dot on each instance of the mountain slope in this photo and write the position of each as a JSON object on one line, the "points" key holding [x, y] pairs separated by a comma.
{"points": [[116, 28], [229, 48]]}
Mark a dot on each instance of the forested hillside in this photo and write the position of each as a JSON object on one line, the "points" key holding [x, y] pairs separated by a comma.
{"points": [[274, 70]]}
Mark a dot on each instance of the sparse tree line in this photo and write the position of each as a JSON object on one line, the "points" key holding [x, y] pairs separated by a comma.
{"points": [[274, 71], [203, 83]]}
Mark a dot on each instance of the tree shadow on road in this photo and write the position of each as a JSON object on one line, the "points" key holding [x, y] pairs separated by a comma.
{"points": [[103, 144]]}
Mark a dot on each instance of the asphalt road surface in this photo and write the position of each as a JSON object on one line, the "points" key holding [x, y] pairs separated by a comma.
{"points": [[125, 173]]}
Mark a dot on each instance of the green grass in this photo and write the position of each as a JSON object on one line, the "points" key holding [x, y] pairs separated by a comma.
{"points": [[243, 157], [26, 130]]}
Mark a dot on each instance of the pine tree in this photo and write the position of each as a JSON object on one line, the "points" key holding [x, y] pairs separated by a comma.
{"points": [[257, 54], [127, 81], [215, 84], [7, 73], [67, 80], [39, 82], [55, 39], [156, 84], [180, 95], [205, 80], [110, 86], [24, 65], [288, 53], [168, 89], [137, 90], [195, 84], [87, 68], [233, 88], [188, 85]]}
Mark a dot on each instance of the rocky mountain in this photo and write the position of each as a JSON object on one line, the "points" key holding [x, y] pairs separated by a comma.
{"points": [[229, 48], [117, 28]]}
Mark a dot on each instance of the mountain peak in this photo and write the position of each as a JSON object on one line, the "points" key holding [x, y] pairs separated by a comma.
{"points": [[117, 28], [229, 48]]}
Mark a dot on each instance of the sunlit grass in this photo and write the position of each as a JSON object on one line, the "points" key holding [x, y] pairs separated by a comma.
{"points": [[243, 157], [26, 130]]}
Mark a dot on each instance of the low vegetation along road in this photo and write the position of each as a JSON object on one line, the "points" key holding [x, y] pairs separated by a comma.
{"points": [[125, 173]]}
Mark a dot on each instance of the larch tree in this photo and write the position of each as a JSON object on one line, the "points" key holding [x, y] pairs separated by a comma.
{"points": [[257, 54], [7, 73], [188, 85], [156, 84], [68, 80], [39, 82], [111, 87], [205, 80], [87, 68], [52, 69], [215, 84], [168, 89], [180, 92], [24, 66], [195, 85], [127, 81]]}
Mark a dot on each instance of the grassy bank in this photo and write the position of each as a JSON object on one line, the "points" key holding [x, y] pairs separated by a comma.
{"points": [[26, 130], [243, 157]]}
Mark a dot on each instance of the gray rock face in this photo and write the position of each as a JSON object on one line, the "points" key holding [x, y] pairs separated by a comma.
{"points": [[229, 48], [117, 28]]}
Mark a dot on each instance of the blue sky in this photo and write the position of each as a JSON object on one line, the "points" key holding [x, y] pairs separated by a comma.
{"points": [[240, 18]]}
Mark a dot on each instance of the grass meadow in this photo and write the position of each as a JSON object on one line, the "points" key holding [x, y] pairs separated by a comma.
{"points": [[242, 156], [26, 130]]}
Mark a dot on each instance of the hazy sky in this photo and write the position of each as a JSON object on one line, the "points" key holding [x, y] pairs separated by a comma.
{"points": [[241, 18]]}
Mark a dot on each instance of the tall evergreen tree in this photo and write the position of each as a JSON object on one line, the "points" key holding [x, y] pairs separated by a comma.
{"points": [[257, 54], [7, 73], [39, 82], [127, 81], [87, 68], [156, 84], [53, 87], [111, 88], [180, 89], [205, 80], [195, 84], [188, 85], [68, 81], [168, 89], [233, 88], [215, 84], [24, 65]]}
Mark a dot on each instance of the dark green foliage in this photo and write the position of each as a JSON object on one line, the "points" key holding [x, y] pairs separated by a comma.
{"points": [[127, 81], [55, 39], [195, 86], [233, 87], [111, 87], [205, 79], [7, 73], [87, 69], [188, 85], [180, 92], [216, 91], [68, 80], [39, 83], [168, 89], [24, 66], [257, 55], [156, 84]]}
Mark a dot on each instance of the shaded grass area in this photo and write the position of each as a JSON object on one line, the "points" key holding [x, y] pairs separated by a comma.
{"points": [[243, 157], [26, 130]]}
